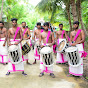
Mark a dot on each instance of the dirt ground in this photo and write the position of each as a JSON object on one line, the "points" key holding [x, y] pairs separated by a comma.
{"points": [[32, 80]]}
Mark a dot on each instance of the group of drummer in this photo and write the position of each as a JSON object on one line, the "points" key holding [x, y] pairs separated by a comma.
{"points": [[15, 36]]}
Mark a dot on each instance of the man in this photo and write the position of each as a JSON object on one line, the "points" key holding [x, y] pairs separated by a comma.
{"points": [[3, 44], [77, 38], [60, 36], [26, 32], [37, 33], [14, 35], [47, 37]]}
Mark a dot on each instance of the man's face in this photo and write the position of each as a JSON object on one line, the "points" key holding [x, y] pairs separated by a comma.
{"points": [[14, 23], [46, 28], [61, 27], [1, 25], [39, 26], [23, 25], [75, 26]]}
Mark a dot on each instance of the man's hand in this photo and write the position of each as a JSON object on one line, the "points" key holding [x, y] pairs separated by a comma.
{"points": [[10, 44], [73, 44], [42, 46], [50, 45], [16, 43], [4, 44]]}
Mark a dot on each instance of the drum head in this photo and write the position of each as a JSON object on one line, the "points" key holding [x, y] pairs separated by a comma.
{"points": [[71, 49], [45, 50], [61, 46]]}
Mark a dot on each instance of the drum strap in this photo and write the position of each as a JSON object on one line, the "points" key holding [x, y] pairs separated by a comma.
{"points": [[25, 31], [18, 28]]}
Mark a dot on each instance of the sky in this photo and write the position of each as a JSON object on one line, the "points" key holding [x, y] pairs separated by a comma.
{"points": [[34, 2]]}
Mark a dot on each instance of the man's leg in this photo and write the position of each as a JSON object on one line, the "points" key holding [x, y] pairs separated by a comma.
{"points": [[23, 73], [34, 62], [28, 62]]}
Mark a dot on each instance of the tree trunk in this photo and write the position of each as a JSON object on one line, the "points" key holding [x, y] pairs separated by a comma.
{"points": [[80, 16], [1, 10], [73, 9], [69, 17]]}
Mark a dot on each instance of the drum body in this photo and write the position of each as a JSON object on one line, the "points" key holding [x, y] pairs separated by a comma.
{"points": [[26, 47], [14, 54], [74, 59], [47, 56], [62, 46]]}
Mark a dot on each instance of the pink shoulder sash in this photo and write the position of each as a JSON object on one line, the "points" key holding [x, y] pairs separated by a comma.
{"points": [[18, 28], [77, 34], [25, 31], [41, 30], [62, 34]]}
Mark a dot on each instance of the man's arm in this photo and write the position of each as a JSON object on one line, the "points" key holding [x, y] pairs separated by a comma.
{"points": [[34, 34], [66, 36], [21, 34], [8, 40], [5, 37], [70, 38]]}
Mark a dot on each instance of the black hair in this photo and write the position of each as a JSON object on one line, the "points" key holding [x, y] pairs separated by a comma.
{"points": [[60, 24], [2, 22], [76, 22], [38, 23], [24, 22], [46, 24], [14, 19]]}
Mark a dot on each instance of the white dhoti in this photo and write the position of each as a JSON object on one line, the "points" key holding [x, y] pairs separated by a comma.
{"points": [[3, 51], [25, 57], [61, 58], [44, 68], [77, 71], [36, 55], [16, 67]]}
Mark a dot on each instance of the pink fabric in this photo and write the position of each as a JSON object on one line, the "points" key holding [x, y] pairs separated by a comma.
{"points": [[84, 54], [3, 58], [18, 28], [25, 31], [49, 32], [14, 71], [46, 70], [62, 34], [13, 67], [41, 30], [41, 63], [54, 46], [77, 34], [62, 57], [74, 73], [36, 54]]}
